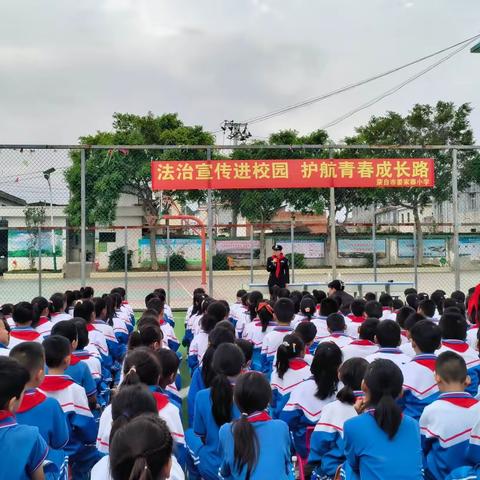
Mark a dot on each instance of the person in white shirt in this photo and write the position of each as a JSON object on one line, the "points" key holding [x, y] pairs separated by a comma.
{"points": [[386, 301], [365, 345]]}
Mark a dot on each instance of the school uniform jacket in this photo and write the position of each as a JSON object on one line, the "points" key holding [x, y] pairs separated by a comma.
{"points": [[196, 385], [298, 371], [44, 326], [474, 444], [354, 323], [93, 363], [80, 373], [359, 348], [197, 350], [388, 314], [340, 339], [120, 330], [24, 334], [472, 336], [4, 350], [60, 316], [270, 345], [445, 426], [302, 410], [253, 333], [322, 330], [46, 414], [169, 336], [242, 320], [393, 354], [407, 349], [326, 443], [115, 350]]}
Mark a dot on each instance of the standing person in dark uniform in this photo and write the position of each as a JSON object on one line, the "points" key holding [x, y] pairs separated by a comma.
{"points": [[278, 267]]}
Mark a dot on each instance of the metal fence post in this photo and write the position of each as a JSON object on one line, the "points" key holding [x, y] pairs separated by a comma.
{"points": [[167, 222], [125, 258], [456, 224], [39, 245], [415, 258], [210, 232], [292, 243], [251, 253], [83, 223], [374, 242]]}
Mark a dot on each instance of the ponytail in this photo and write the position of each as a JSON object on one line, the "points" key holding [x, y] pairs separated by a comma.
{"points": [[39, 304], [222, 399], [254, 298], [265, 314], [141, 366], [145, 336], [327, 359], [308, 307], [215, 338], [246, 445], [388, 415], [351, 374], [291, 347], [140, 470]]}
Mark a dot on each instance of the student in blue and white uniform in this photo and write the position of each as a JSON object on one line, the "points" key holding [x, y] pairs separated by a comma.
{"points": [[245, 317], [386, 301], [388, 339], [238, 306], [382, 443], [447, 422], [307, 311], [41, 323], [38, 410], [169, 363], [419, 384], [356, 317], [213, 408], [307, 331], [73, 400], [255, 446], [22, 448], [157, 305], [365, 344], [327, 307], [115, 349], [336, 329], [23, 331], [326, 444], [308, 399], [117, 319], [290, 370], [407, 347], [58, 305], [4, 337], [284, 311], [256, 331]]}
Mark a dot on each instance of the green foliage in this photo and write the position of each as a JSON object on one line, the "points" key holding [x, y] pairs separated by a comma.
{"points": [[116, 260], [299, 259], [220, 261], [177, 263], [35, 216]]}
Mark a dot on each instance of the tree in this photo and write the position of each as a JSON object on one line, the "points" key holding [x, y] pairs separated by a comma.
{"points": [[440, 124], [110, 173], [34, 219]]}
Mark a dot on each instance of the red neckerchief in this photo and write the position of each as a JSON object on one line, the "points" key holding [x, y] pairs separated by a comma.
{"points": [[161, 399], [55, 383], [43, 321], [259, 417], [356, 319], [280, 257], [27, 335], [30, 400], [460, 399]]}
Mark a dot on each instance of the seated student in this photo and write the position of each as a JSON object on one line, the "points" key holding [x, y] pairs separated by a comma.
{"points": [[89, 356], [82, 455], [458, 296], [386, 301], [246, 317], [58, 305], [77, 370], [213, 408], [169, 363], [115, 349], [255, 446], [125, 308], [193, 315], [40, 411], [412, 300], [454, 330], [157, 305], [247, 348], [327, 307], [373, 309], [326, 444], [397, 304], [237, 306], [123, 316], [284, 311], [22, 448], [381, 443], [204, 374], [438, 297], [412, 320], [4, 337], [356, 318], [402, 316], [427, 309], [365, 345], [336, 329], [308, 399], [445, 443], [307, 331], [419, 385], [289, 371], [23, 331], [255, 332], [41, 323], [388, 339], [161, 293], [118, 324], [307, 311]]}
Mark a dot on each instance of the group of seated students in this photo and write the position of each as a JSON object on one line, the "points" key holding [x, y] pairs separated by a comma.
{"points": [[299, 385]]}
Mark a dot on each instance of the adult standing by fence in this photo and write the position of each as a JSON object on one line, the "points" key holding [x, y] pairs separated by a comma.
{"points": [[279, 269]]}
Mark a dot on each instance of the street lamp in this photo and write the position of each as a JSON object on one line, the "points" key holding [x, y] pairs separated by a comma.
{"points": [[475, 48], [46, 175]]}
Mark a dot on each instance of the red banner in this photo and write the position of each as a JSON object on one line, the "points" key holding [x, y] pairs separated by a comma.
{"points": [[293, 173]]}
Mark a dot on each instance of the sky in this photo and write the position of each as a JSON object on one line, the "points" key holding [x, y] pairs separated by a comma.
{"points": [[67, 65]]}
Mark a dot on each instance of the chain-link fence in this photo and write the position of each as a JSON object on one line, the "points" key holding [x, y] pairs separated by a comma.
{"points": [[71, 216]]}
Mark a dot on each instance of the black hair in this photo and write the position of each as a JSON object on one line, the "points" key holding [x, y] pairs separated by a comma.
{"points": [[426, 335], [291, 347], [308, 307], [296, 298], [358, 307], [226, 324], [39, 305], [148, 319], [412, 319], [5, 324], [252, 394], [368, 329], [386, 300], [422, 296], [412, 300], [318, 295], [274, 293], [438, 296], [336, 322], [453, 326], [428, 307], [148, 297], [160, 291], [218, 310], [451, 367], [70, 298], [57, 348], [117, 300], [384, 381], [370, 297], [22, 313], [169, 362], [241, 293], [373, 309], [254, 298], [245, 300], [327, 359], [147, 456], [198, 296], [328, 306], [30, 355], [156, 304], [82, 332], [215, 338], [284, 310], [246, 347], [57, 303], [228, 361], [13, 378], [283, 293], [388, 334], [397, 304], [265, 314], [86, 292], [145, 336], [409, 291], [141, 366], [208, 322], [403, 314], [307, 331], [458, 296], [67, 329], [451, 303], [84, 309], [6, 309], [351, 374]]}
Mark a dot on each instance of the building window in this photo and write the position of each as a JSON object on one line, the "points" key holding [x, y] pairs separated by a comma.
{"points": [[107, 237], [472, 201], [408, 217], [403, 218]]}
